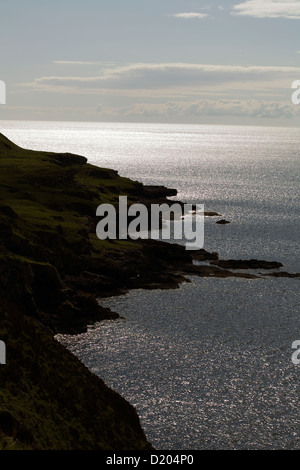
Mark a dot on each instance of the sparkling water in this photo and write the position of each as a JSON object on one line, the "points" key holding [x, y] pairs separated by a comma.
{"points": [[208, 365]]}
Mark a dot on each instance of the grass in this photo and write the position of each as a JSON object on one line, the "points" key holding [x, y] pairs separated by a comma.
{"points": [[48, 399], [40, 195]]}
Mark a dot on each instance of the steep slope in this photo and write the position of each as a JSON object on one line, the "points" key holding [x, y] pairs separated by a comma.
{"points": [[49, 400], [51, 260], [51, 263]]}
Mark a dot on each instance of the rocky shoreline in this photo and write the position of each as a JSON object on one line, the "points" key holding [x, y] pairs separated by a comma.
{"points": [[53, 270]]}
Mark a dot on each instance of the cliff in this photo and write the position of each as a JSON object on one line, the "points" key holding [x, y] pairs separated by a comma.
{"points": [[52, 269], [49, 400], [51, 265]]}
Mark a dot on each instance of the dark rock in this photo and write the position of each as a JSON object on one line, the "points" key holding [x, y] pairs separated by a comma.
{"points": [[74, 315], [212, 214], [166, 251], [46, 286], [222, 222], [206, 213], [203, 255], [159, 191], [68, 159], [8, 211], [106, 173], [51, 401], [284, 274], [10, 426], [246, 264], [213, 271]]}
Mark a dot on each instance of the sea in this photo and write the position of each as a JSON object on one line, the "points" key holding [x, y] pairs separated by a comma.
{"points": [[208, 365]]}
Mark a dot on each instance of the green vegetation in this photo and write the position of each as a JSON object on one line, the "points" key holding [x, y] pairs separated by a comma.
{"points": [[47, 220], [46, 194], [52, 270], [49, 400], [51, 267]]}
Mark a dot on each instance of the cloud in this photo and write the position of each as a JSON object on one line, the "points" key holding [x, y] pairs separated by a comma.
{"points": [[167, 76], [175, 92], [83, 62], [75, 62], [269, 9], [206, 107], [191, 15], [200, 110]]}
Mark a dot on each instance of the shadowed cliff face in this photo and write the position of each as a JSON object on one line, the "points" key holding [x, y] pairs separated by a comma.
{"points": [[52, 269], [51, 262], [48, 399]]}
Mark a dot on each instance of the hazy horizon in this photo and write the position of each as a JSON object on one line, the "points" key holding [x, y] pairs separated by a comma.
{"points": [[193, 62]]}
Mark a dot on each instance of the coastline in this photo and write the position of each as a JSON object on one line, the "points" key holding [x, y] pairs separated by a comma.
{"points": [[53, 270]]}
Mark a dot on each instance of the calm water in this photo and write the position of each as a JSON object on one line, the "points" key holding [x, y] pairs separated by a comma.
{"points": [[208, 366]]}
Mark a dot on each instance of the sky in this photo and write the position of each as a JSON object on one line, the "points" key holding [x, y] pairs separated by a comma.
{"points": [[177, 61]]}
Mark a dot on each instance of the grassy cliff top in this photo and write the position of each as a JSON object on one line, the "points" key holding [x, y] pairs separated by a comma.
{"points": [[48, 399], [54, 193], [51, 259]]}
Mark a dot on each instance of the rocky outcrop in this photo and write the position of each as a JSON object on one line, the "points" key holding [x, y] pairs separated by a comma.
{"points": [[211, 214], [48, 399], [68, 159], [203, 255], [52, 270], [214, 271], [284, 274], [158, 192], [246, 264], [222, 222]]}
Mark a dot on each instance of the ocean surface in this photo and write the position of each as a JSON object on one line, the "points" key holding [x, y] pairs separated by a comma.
{"points": [[208, 365]]}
